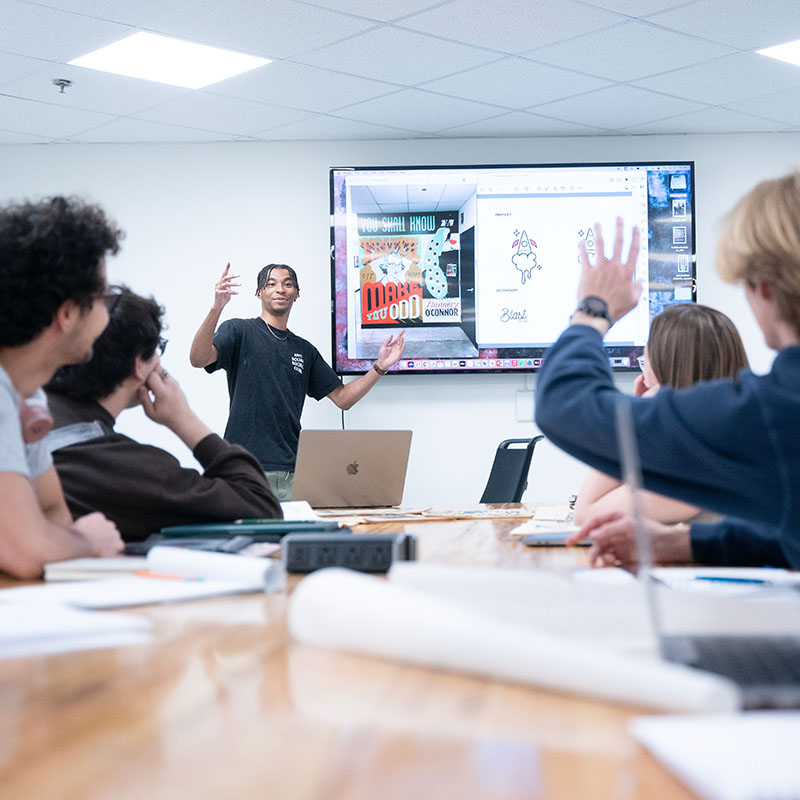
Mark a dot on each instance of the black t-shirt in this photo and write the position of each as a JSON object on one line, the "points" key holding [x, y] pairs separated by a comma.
{"points": [[268, 380]]}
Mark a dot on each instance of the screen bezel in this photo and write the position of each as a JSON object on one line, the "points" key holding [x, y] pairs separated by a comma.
{"points": [[615, 353]]}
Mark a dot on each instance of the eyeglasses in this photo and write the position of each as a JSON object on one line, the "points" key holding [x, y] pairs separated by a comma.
{"points": [[162, 345], [111, 297]]}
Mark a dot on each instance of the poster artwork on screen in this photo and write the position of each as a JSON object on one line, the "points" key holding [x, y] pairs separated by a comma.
{"points": [[409, 269]]}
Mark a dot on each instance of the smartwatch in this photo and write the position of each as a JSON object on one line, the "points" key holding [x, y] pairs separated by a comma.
{"points": [[595, 307]]}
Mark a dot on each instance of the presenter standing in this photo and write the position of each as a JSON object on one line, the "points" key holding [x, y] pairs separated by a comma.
{"points": [[270, 371]]}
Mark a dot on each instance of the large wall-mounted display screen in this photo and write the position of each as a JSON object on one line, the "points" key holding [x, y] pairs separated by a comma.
{"points": [[478, 265]]}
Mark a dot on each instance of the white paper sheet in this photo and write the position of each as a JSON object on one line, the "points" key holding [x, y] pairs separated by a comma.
{"points": [[345, 610], [751, 756], [36, 630], [130, 590]]}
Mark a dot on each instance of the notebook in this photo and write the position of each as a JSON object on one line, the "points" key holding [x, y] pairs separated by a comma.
{"points": [[765, 667], [351, 469]]}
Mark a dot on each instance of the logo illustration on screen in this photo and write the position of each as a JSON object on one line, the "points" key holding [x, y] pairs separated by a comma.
{"points": [[587, 234], [524, 259]]}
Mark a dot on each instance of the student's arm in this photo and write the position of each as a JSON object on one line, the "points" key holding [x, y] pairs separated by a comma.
{"points": [[51, 498], [202, 352], [602, 494], [348, 394], [733, 543], [232, 486], [28, 540], [614, 541]]}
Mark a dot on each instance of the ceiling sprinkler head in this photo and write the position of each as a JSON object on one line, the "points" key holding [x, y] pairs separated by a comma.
{"points": [[62, 84]]}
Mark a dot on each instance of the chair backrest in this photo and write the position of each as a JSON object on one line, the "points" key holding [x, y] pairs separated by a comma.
{"points": [[509, 476]]}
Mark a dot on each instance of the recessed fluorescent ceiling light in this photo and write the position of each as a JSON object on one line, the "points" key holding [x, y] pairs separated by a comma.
{"points": [[165, 60], [784, 52]]}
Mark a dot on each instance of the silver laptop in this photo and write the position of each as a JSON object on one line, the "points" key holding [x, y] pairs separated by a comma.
{"points": [[351, 469], [765, 667]]}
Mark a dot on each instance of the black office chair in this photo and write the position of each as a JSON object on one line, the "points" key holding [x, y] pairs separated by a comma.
{"points": [[509, 476]]}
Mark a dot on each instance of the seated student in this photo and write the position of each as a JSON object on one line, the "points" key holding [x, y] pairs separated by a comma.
{"points": [[724, 446], [52, 307], [140, 487], [687, 343]]}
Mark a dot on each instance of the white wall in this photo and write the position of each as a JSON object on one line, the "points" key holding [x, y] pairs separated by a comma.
{"points": [[188, 209]]}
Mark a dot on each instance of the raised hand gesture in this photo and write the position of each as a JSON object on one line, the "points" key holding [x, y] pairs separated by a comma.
{"points": [[390, 351], [611, 279], [225, 288]]}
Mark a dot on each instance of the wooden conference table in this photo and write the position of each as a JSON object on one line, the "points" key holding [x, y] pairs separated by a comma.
{"points": [[222, 704]]}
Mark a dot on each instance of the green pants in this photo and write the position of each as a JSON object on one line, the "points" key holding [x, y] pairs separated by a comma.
{"points": [[281, 483]]}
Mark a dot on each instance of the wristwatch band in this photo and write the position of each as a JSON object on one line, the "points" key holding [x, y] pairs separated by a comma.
{"points": [[380, 370], [595, 307]]}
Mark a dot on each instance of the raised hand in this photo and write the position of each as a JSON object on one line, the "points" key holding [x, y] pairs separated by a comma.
{"points": [[611, 278], [225, 287], [391, 351]]}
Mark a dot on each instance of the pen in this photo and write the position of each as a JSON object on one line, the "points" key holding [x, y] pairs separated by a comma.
{"points": [[144, 573], [722, 579]]}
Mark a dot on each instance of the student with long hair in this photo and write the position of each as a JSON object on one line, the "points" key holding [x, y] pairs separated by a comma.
{"points": [[687, 344]]}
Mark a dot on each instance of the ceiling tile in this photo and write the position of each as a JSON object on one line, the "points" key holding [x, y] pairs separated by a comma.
{"points": [[616, 107], [416, 110], [398, 56], [636, 8], [221, 114], [45, 119], [515, 83], [12, 137], [137, 130], [92, 90], [519, 124], [708, 120], [277, 29], [51, 34], [510, 26], [286, 83], [781, 106], [726, 80], [383, 10], [327, 128], [746, 25], [13, 67], [140, 12], [629, 51]]}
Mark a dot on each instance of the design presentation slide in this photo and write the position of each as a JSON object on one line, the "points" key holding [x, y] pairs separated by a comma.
{"points": [[527, 263]]}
